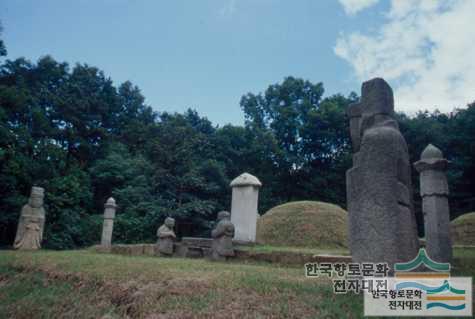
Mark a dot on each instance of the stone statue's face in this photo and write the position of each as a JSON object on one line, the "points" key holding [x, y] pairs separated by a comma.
{"points": [[377, 120], [36, 201], [223, 216], [170, 222]]}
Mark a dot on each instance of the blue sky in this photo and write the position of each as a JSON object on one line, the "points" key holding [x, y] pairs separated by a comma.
{"points": [[207, 54]]}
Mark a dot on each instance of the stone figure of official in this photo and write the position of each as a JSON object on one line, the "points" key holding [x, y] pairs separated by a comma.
{"points": [[32, 221]]}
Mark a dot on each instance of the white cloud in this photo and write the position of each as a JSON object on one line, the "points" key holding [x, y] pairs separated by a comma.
{"points": [[354, 6], [425, 50], [228, 9]]}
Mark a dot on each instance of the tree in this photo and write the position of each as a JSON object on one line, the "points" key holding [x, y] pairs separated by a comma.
{"points": [[284, 109], [311, 136], [3, 49], [73, 132]]}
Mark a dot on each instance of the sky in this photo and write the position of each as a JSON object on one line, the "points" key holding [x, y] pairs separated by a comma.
{"points": [[206, 54]]}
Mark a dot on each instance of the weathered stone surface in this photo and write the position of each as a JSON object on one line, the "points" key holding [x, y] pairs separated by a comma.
{"points": [[377, 98], [136, 250], [165, 245], [197, 241], [382, 225], [108, 224], [194, 247], [120, 249], [245, 179], [166, 237], [31, 224], [435, 204], [223, 235], [354, 113], [462, 230], [245, 194], [432, 167], [149, 249]]}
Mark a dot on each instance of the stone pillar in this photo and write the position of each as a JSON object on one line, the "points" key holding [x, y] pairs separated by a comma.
{"points": [[107, 227], [435, 203], [245, 193]]}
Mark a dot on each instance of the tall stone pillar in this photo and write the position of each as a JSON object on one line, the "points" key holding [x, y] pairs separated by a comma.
{"points": [[107, 227], [435, 203], [245, 193]]}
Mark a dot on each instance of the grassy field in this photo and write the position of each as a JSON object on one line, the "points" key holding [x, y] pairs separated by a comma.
{"points": [[84, 284], [303, 250]]}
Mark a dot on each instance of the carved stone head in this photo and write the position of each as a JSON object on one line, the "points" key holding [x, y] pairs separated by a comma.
{"points": [[36, 197], [224, 215], [170, 222], [377, 105]]}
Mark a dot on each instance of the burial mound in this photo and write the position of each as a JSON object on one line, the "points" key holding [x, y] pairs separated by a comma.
{"points": [[462, 230], [304, 224]]}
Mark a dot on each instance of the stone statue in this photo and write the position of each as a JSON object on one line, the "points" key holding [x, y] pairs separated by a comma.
{"points": [[166, 237], [382, 225], [435, 203], [31, 224], [108, 224], [223, 235]]}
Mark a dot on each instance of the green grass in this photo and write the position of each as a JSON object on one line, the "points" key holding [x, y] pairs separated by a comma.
{"points": [[141, 286], [463, 230], [84, 284], [303, 250], [34, 295], [464, 262]]}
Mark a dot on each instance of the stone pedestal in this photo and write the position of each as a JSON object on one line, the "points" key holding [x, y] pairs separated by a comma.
{"points": [[435, 204], [108, 225], [245, 194]]}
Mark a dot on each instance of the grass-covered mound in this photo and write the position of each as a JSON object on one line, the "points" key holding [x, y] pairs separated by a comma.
{"points": [[304, 224], [462, 229]]}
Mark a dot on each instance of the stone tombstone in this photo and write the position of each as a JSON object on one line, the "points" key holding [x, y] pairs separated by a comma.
{"points": [[31, 224], [166, 237], [435, 204], [110, 208], [382, 224], [245, 194], [222, 235]]}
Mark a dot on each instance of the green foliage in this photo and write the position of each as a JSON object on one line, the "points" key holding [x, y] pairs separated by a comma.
{"points": [[309, 139], [454, 134], [68, 199]]}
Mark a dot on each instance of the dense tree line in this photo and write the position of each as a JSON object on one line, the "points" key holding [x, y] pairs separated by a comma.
{"points": [[71, 131]]}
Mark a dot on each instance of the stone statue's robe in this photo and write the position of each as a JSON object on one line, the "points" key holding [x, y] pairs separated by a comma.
{"points": [[223, 239], [382, 224], [166, 238], [30, 228]]}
